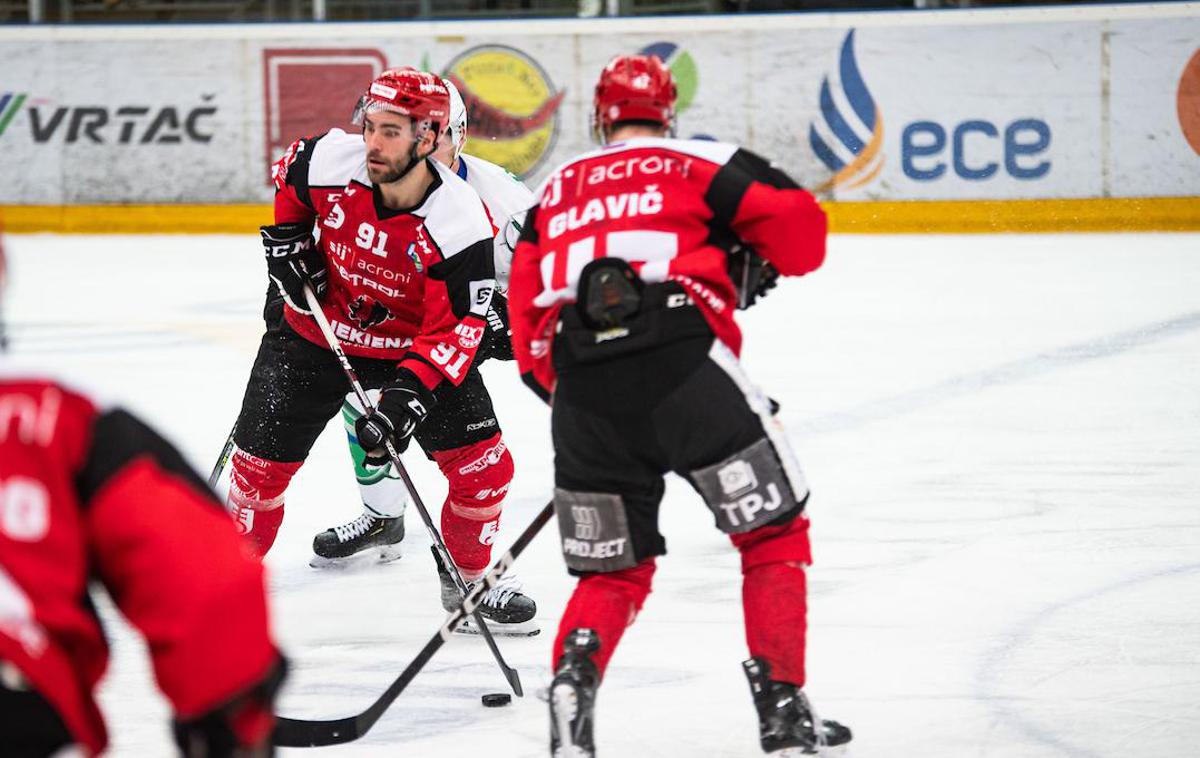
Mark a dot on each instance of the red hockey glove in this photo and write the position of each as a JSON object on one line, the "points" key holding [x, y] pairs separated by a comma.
{"points": [[293, 260], [404, 404]]}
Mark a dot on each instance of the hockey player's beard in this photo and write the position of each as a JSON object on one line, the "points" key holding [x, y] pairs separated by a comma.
{"points": [[393, 171]]}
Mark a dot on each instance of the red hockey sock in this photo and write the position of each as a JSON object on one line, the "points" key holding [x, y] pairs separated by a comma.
{"points": [[774, 595], [479, 475], [606, 604], [469, 533], [258, 527], [774, 601], [256, 497]]}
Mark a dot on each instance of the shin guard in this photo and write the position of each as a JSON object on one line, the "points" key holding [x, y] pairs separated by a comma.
{"points": [[479, 476], [382, 491], [256, 497], [606, 603]]}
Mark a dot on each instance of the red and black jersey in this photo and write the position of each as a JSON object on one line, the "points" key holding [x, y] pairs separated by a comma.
{"points": [[672, 208], [412, 285], [92, 494]]}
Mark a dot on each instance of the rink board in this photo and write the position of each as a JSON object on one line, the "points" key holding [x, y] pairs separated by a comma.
{"points": [[1174, 214], [986, 105]]}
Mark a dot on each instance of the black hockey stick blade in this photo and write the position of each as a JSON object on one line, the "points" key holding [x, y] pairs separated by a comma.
{"points": [[304, 733]]}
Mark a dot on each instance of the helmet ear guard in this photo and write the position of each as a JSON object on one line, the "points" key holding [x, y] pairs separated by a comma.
{"points": [[458, 117]]}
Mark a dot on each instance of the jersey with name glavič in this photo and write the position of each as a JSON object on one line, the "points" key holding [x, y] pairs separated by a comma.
{"points": [[672, 208]]}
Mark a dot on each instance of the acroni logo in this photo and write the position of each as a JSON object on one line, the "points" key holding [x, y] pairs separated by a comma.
{"points": [[683, 70], [849, 134], [10, 105]]}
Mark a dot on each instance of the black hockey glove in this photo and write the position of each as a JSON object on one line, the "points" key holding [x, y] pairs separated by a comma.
{"points": [[404, 404], [497, 340], [752, 275], [239, 728], [294, 260]]}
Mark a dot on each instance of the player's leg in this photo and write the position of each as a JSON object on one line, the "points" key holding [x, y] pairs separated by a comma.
{"points": [[380, 526], [722, 437], [463, 437], [608, 476], [294, 388]]}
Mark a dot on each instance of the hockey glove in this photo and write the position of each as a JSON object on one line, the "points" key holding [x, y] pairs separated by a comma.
{"points": [[752, 275], [294, 260], [239, 728], [497, 340], [403, 405]]}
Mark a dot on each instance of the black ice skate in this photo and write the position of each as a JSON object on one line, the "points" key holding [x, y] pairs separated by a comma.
{"points": [[573, 697], [785, 717], [367, 532], [506, 609]]}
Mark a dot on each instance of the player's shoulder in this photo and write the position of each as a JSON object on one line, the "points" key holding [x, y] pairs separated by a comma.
{"points": [[453, 213], [34, 403], [337, 159], [485, 170], [332, 159], [502, 193]]}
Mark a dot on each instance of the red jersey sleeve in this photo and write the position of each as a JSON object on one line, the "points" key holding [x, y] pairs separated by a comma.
{"points": [[293, 204], [172, 561], [770, 212], [526, 319], [458, 292]]}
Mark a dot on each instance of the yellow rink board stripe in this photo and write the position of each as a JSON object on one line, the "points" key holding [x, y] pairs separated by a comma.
{"points": [[1135, 214]]}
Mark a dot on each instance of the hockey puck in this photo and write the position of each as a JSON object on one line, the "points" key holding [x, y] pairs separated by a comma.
{"points": [[496, 699]]}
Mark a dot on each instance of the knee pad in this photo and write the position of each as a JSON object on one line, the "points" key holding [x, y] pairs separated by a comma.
{"points": [[257, 483], [747, 490], [781, 543], [479, 475]]}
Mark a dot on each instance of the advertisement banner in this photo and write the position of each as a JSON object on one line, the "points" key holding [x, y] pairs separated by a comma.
{"points": [[882, 106]]}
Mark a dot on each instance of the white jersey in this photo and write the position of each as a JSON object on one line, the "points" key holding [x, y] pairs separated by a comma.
{"points": [[506, 200]]}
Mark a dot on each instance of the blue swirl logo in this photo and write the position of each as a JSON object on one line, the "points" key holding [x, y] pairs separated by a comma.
{"points": [[848, 136]]}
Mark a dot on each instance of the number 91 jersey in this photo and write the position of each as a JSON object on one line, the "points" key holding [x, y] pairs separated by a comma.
{"points": [[413, 284]]}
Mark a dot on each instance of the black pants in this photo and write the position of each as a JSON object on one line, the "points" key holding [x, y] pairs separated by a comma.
{"points": [[296, 386], [622, 422]]}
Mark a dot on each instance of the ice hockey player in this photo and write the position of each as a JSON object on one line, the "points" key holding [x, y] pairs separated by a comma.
{"points": [[405, 273], [622, 304], [89, 493]]}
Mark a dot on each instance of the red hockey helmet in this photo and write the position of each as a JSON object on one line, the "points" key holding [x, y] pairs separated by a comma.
{"points": [[409, 92], [634, 88]]}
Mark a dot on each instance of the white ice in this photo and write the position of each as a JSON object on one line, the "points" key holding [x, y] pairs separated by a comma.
{"points": [[1003, 438]]}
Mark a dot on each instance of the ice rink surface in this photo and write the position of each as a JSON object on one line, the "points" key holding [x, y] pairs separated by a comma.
{"points": [[1002, 434]]}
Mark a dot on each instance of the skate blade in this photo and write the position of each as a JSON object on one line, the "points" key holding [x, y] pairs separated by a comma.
{"points": [[823, 751], [363, 559], [523, 629]]}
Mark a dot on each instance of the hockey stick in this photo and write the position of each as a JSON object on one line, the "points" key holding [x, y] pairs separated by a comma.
{"points": [[303, 733], [223, 460], [439, 546]]}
